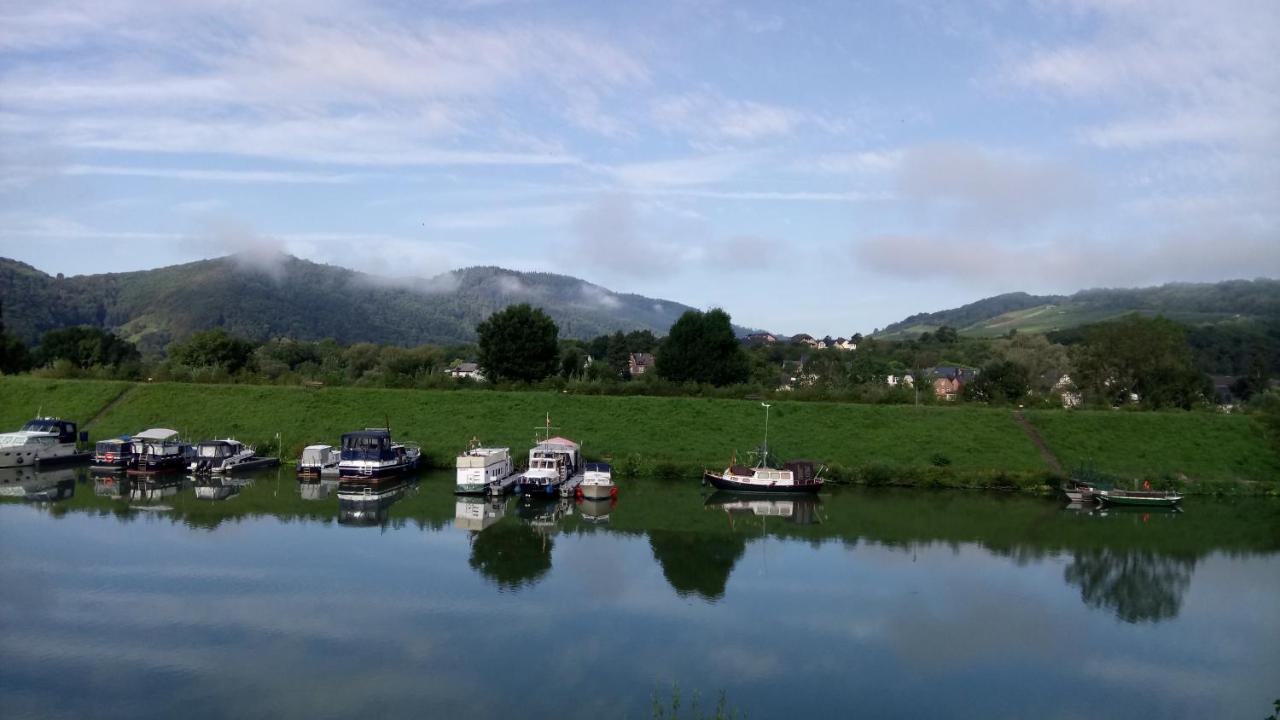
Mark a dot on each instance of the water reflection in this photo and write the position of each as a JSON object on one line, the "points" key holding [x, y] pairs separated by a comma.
{"points": [[512, 554], [365, 505], [797, 510], [478, 513], [596, 511], [1138, 585], [544, 514], [35, 485], [316, 488], [207, 488], [153, 489]]}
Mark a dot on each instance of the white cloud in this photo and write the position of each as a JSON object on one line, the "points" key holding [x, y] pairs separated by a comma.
{"points": [[705, 114]]}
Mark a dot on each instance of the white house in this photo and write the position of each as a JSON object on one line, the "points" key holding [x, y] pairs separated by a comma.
{"points": [[468, 370]]}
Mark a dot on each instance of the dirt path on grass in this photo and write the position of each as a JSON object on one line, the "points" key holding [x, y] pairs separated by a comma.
{"points": [[1034, 436], [106, 408]]}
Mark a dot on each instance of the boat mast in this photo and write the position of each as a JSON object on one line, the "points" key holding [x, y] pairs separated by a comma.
{"points": [[764, 459]]}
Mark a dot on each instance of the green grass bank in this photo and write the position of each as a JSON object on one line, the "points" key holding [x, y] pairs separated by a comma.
{"points": [[663, 436]]}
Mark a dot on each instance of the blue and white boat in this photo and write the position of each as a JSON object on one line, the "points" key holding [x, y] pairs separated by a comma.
{"points": [[44, 440], [370, 454]]}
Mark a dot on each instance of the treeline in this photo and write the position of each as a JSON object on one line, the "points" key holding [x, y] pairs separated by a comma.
{"points": [[1136, 361]]}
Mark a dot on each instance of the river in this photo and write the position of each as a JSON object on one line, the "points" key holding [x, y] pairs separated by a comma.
{"points": [[268, 598]]}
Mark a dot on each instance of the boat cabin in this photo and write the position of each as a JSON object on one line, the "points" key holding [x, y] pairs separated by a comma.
{"points": [[318, 456], [218, 449], [156, 442], [65, 430], [368, 444]]}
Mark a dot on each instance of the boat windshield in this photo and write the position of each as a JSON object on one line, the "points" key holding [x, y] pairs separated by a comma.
{"points": [[213, 451]]}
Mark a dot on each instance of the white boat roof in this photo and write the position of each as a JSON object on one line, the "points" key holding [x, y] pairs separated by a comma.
{"points": [[318, 447], [557, 443], [486, 451], [156, 434]]}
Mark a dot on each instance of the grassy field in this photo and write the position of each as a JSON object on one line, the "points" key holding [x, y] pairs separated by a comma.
{"points": [[1149, 444], [675, 435], [22, 398]]}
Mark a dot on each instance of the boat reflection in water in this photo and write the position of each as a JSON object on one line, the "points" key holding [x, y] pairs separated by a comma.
{"points": [[112, 486], [478, 512], [596, 511], [38, 485], [544, 514], [154, 488], [311, 488], [800, 510], [218, 488], [368, 504]]}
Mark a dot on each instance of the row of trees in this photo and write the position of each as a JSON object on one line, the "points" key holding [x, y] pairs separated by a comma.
{"points": [[1110, 364]]}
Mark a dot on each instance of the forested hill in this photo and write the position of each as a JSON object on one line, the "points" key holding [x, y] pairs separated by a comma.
{"points": [[1190, 303], [290, 297]]}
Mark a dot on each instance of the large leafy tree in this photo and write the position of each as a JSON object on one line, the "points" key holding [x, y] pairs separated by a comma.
{"points": [[86, 347], [518, 343], [213, 349], [1140, 355], [1002, 381], [14, 357], [702, 348]]}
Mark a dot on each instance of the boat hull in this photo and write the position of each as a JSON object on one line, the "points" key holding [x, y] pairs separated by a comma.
{"points": [[598, 492], [1140, 500], [366, 472], [720, 482]]}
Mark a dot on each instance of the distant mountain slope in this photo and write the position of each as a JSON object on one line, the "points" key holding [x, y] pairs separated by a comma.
{"points": [[296, 298], [1192, 303]]}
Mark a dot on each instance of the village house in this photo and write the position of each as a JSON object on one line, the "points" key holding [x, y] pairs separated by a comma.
{"points": [[804, 339], [760, 339], [1066, 389], [468, 371], [843, 344], [949, 380], [639, 363]]}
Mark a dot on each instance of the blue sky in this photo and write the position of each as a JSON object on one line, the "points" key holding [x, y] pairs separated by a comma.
{"points": [[819, 167]]}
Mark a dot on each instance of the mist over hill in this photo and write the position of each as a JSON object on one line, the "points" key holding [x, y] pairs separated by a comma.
{"points": [[260, 297]]}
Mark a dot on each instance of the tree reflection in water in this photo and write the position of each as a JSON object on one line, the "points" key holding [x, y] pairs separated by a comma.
{"points": [[511, 554], [696, 563], [1139, 585]]}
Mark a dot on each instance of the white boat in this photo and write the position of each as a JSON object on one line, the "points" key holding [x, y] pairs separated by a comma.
{"points": [[597, 482], [220, 456], [553, 465], [486, 470], [43, 440], [319, 461]]}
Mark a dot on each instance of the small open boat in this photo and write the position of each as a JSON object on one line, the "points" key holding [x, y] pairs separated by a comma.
{"points": [[1155, 498], [1078, 491]]}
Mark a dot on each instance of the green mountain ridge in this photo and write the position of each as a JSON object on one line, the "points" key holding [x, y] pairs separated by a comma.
{"points": [[1229, 301], [264, 297]]}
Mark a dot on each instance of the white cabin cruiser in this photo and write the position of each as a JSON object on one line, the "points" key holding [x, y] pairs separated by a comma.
{"points": [[486, 470], [553, 465], [597, 482], [156, 451], [319, 461], [219, 456], [43, 440]]}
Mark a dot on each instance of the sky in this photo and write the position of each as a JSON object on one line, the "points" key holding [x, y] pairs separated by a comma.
{"points": [[819, 167]]}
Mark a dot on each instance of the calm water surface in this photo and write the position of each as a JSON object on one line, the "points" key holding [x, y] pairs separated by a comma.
{"points": [[274, 599]]}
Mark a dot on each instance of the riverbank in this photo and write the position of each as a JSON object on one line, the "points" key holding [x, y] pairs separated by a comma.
{"points": [[664, 437]]}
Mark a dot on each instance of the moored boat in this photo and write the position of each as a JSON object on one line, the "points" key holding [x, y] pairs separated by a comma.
{"points": [[553, 465], [157, 451], [797, 476], [1078, 491], [370, 453], [597, 482], [44, 440], [319, 461], [1155, 498], [486, 470], [223, 457], [113, 455]]}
